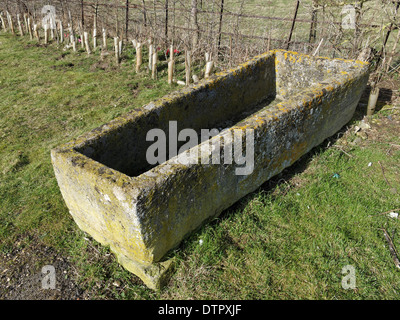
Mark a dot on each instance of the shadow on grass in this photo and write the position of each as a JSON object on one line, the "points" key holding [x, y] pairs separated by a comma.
{"points": [[280, 179]]}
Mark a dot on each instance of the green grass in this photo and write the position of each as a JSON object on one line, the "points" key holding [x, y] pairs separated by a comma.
{"points": [[293, 240], [288, 240]]}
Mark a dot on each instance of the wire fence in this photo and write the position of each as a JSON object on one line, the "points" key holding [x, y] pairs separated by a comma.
{"points": [[232, 31]]}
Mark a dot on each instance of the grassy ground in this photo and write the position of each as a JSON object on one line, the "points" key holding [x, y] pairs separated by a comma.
{"points": [[288, 240]]}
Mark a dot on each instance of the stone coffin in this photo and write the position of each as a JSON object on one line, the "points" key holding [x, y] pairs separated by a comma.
{"points": [[290, 102]]}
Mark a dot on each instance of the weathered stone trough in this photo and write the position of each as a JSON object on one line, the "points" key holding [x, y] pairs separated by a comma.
{"points": [[289, 102]]}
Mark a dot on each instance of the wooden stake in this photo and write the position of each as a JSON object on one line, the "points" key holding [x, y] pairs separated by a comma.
{"points": [[293, 23], [104, 39], [46, 33], [71, 25], [82, 36], [209, 67], [86, 36], [188, 64], [21, 31], [36, 32], [208, 57], [138, 56], [94, 39], [3, 24], [51, 29], [150, 54], [373, 98], [26, 23], [30, 29], [154, 65], [61, 32], [72, 39], [10, 23], [116, 48], [171, 71], [171, 65], [172, 53]]}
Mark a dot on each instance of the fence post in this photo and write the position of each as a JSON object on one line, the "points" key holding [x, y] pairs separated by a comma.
{"points": [[293, 23]]}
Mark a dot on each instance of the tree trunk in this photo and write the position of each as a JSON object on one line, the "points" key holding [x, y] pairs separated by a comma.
{"points": [[314, 18], [220, 25], [166, 21], [196, 24], [126, 20], [82, 15]]}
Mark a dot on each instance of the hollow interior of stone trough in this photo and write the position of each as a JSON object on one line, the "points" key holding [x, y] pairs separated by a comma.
{"points": [[218, 104]]}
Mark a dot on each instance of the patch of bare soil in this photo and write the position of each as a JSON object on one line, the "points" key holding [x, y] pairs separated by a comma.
{"points": [[26, 274]]}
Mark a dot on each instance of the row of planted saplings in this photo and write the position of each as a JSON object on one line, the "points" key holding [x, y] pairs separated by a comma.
{"points": [[54, 31]]}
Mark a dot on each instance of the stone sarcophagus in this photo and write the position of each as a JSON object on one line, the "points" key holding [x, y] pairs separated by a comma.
{"points": [[137, 185]]}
